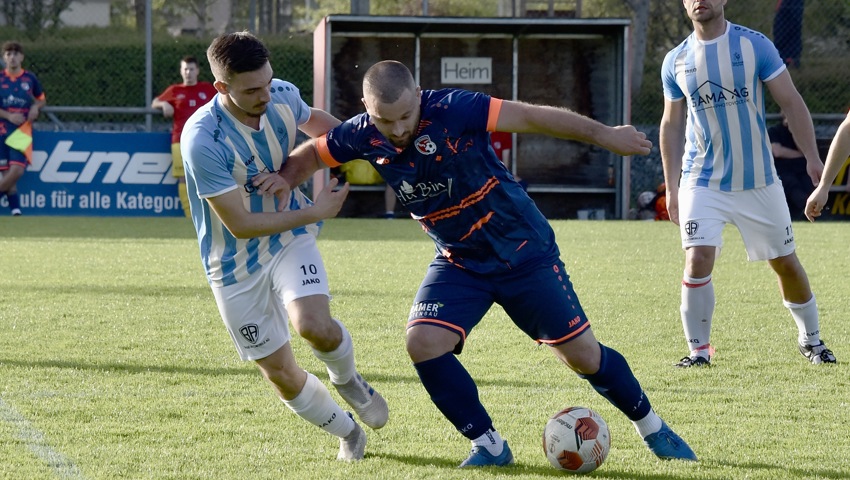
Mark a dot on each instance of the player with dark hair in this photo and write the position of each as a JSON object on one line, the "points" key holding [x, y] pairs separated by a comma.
{"points": [[179, 101], [20, 104], [263, 264], [493, 245], [719, 170]]}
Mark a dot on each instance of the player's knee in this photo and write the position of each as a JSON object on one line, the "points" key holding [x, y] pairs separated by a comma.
{"points": [[425, 342], [320, 330]]}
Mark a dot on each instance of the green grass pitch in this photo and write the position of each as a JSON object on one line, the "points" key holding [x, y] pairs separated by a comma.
{"points": [[114, 362]]}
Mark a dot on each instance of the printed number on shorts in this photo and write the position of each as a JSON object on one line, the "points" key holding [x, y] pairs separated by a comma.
{"points": [[309, 271]]}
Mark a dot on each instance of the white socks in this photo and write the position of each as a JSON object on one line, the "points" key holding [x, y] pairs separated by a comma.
{"points": [[491, 441], [340, 362], [697, 310], [806, 317], [315, 405], [648, 425]]}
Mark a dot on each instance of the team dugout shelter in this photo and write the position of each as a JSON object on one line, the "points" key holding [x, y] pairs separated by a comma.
{"points": [[580, 64]]}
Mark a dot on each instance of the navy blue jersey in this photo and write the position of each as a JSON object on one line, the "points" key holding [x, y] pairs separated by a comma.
{"points": [[451, 181]]}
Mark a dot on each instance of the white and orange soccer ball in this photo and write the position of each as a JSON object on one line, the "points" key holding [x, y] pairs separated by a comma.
{"points": [[576, 439]]}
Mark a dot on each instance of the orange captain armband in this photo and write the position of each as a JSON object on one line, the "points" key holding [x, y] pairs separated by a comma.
{"points": [[325, 153], [493, 114]]}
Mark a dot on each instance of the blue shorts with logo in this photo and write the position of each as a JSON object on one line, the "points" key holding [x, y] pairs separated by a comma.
{"points": [[538, 298]]}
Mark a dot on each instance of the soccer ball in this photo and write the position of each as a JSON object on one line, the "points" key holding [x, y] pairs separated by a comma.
{"points": [[576, 439]]}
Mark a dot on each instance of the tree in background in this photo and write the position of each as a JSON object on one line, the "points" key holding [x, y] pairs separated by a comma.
{"points": [[34, 16]]}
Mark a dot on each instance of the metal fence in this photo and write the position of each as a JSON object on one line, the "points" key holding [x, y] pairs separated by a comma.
{"points": [[813, 37]]}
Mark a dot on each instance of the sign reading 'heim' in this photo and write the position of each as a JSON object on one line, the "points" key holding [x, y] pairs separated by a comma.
{"points": [[457, 70]]}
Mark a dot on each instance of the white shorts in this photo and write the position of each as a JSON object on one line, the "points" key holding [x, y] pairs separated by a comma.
{"points": [[254, 310], [761, 216]]}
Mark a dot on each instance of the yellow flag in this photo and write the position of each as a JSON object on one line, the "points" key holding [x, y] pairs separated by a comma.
{"points": [[21, 140]]}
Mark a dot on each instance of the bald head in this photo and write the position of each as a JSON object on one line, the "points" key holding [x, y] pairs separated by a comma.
{"points": [[386, 81]]}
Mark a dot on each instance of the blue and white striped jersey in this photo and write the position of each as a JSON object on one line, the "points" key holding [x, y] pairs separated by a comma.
{"points": [[727, 147], [221, 154]]}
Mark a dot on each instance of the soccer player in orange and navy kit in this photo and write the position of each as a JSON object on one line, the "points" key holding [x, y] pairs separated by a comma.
{"points": [[21, 99], [493, 245], [180, 101]]}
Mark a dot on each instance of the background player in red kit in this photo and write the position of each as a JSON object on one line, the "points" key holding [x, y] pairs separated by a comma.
{"points": [[180, 101]]}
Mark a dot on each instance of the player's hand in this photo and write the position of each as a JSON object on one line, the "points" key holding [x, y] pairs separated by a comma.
{"points": [[817, 202], [32, 115], [270, 183], [329, 201], [16, 118], [673, 206], [167, 110], [627, 140]]}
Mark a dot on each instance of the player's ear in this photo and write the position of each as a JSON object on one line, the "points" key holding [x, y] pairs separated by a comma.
{"points": [[221, 87]]}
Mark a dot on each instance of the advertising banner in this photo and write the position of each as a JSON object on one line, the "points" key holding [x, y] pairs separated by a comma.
{"points": [[100, 174]]}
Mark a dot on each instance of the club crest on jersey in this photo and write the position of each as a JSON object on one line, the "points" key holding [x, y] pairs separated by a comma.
{"points": [[425, 146], [251, 332]]}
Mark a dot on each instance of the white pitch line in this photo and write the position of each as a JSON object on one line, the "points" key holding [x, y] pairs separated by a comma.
{"points": [[34, 439]]}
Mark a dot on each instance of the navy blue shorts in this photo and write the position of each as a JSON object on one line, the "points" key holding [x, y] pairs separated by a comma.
{"points": [[539, 299]]}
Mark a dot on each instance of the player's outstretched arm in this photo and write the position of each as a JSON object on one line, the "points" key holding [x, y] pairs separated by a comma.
{"points": [[230, 209], [302, 163], [563, 123]]}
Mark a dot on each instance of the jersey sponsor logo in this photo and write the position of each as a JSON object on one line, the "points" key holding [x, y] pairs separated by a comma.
{"points": [[250, 332], [425, 146], [421, 191], [13, 101], [691, 228], [711, 95]]}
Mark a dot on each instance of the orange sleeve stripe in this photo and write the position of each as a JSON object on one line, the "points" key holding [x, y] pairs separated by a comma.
{"points": [[325, 153], [493, 115]]}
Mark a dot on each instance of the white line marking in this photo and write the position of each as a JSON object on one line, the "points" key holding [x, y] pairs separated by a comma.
{"points": [[36, 442]]}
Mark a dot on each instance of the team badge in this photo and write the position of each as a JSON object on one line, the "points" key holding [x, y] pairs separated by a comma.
{"points": [[251, 332], [425, 146], [691, 228]]}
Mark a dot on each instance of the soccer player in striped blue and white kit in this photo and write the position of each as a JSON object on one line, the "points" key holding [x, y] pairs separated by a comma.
{"points": [[719, 169], [493, 245], [259, 251]]}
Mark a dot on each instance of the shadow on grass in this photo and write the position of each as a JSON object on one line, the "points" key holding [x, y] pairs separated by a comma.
{"points": [[181, 228], [248, 369], [97, 227], [518, 469], [202, 291]]}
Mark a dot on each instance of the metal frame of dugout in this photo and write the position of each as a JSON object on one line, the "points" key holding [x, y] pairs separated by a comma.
{"points": [[581, 64]]}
